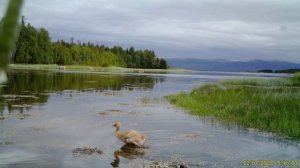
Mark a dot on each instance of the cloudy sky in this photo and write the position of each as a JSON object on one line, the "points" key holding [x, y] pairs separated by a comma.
{"points": [[206, 29]]}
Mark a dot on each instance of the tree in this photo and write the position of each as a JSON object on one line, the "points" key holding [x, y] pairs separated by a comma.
{"points": [[44, 45], [163, 64], [34, 46]]}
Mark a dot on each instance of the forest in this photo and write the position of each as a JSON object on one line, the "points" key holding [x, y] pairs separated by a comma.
{"points": [[34, 46]]}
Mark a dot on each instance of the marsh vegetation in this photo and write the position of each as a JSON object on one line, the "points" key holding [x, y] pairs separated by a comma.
{"points": [[271, 105]]}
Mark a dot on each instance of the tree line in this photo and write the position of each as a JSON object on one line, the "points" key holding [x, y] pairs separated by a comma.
{"points": [[34, 46]]}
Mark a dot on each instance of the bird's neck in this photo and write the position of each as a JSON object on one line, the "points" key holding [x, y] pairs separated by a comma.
{"points": [[117, 132], [116, 162]]}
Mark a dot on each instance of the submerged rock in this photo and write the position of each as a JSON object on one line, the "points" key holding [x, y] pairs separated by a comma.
{"points": [[6, 143], [193, 136], [112, 93], [166, 165], [118, 112], [86, 151]]}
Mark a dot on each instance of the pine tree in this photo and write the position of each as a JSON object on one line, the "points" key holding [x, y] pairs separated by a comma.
{"points": [[34, 46]]}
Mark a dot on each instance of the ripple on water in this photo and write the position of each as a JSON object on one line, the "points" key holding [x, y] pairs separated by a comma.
{"points": [[172, 136], [18, 156]]}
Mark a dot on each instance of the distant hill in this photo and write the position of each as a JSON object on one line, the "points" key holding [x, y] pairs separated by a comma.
{"points": [[231, 66]]}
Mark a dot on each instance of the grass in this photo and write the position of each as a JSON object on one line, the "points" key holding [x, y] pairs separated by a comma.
{"points": [[296, 78], [269, 105], [93, 69]]}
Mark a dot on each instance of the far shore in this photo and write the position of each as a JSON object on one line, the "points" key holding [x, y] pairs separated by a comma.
{"points": [[85, 68]]}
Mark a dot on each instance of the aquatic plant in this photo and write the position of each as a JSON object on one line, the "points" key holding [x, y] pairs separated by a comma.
{"points": [[262, 104]]}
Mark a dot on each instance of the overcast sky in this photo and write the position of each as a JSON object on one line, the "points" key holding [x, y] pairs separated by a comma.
{"points": [[209, 29]]}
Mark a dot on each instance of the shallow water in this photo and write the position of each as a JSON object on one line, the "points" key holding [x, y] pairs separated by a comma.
{"points": [[45, 116]]}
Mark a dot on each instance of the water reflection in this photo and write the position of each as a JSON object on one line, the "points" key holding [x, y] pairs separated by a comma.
{"points": [[48, 138], [127, 151], [24, 89]]}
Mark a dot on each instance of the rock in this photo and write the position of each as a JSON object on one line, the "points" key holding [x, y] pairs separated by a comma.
{"points": [[87, 151]]}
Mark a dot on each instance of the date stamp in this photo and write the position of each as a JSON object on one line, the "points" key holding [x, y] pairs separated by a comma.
{"points": [[271, 163]]}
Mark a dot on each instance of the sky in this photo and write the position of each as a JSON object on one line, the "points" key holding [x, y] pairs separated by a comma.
{"points": [[206, 29]]}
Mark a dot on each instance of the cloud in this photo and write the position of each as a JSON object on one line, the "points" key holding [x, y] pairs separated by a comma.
{"points": [[227, 29]]}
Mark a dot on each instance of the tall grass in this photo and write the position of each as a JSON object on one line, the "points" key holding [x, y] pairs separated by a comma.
{"points": [[251, 103], [296, 78]]}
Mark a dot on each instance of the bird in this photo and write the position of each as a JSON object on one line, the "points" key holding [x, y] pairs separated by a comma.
{"points": [[130, 136], [127, 151]]}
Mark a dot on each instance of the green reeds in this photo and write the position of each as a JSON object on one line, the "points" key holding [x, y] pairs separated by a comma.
{"points": [[269, 105]]}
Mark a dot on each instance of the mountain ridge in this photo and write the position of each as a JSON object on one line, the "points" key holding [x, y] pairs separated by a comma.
{"points": [[231, 66]]}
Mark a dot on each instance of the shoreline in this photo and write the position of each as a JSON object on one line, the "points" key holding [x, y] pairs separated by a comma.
{"points": [[83, 68]]}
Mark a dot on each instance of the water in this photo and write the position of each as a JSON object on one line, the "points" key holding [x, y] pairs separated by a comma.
{"points": [[46, 115]]}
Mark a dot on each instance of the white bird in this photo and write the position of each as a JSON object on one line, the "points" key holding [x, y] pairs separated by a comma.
{"points": [[129, 137]]}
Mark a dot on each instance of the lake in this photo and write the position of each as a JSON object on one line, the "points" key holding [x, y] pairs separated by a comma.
{"points": [[48, 118]]}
